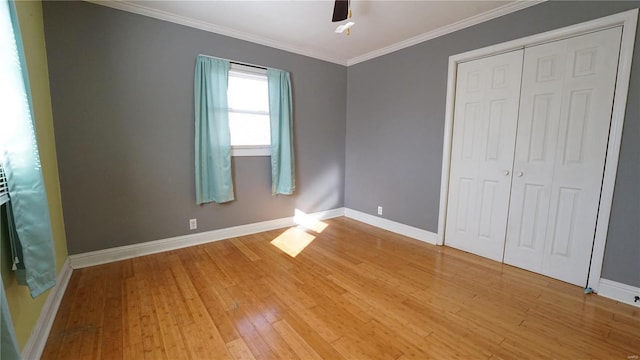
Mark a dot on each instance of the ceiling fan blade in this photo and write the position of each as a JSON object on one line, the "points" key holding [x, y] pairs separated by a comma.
{"points": [[340, 10]]}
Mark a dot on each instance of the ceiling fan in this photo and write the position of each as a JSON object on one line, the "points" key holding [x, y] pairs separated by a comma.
{"points": [[342, 11]]}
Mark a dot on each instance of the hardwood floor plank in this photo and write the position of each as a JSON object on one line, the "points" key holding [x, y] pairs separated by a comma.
{"points": [[133, 346], [169, 329], [200, 343], [77, 325], [249, 334], [112, 339], [57, 332], [239, 350], [371, 343], [244, 249], [350, 349], [354, 292], [297, 343], [212, 301], [311, 337], [411, 331], [169, 319], [402, 342]]}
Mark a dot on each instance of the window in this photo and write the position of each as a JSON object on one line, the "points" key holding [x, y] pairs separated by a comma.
{"points": [[248, 98]]}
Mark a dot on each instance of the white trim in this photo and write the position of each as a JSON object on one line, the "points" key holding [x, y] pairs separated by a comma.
{"points": [[202, 25], [38, 339], [198, 24], [618, 291], [459, 25], [244, 150], [613, 149], [396, 227], [628, 20], [152, 247], [446, 150]]}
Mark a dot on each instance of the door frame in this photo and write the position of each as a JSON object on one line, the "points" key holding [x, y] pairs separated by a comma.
{"points": [[628, 20]]}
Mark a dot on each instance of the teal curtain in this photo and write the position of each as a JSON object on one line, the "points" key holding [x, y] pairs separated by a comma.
{"points": [[213, 139], [281, 114], [28, 215]]}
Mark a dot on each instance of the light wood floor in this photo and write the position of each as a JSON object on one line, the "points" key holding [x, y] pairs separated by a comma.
{"points": [[356, 292]]}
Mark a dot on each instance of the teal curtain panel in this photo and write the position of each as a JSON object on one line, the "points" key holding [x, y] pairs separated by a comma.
{"points": [[281, 116], [213, 139], [28, 215]]}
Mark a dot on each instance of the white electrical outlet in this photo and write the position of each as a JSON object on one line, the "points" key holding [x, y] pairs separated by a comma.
{"points": [[379, 210], [193, 224]]}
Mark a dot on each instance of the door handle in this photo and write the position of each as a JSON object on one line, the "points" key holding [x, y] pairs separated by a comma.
{"points": [[520, 173], [506, 172]]}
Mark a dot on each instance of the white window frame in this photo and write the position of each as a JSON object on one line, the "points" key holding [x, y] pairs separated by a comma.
{"points": [[249, 150]]}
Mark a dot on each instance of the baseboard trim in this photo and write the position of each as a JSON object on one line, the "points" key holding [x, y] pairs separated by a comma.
{"points": [[152, 247], [618, 291], [396, 227], [38, 339]]}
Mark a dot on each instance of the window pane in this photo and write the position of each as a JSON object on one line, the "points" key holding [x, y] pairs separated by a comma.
{"points": [[248, 93], [249, 129]]}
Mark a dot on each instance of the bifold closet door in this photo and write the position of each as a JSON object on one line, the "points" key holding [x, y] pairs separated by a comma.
{"points": [[563, 129], [484, 132]]}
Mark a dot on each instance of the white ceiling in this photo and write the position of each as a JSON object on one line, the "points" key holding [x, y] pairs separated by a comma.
{"points": [[305, 27]]}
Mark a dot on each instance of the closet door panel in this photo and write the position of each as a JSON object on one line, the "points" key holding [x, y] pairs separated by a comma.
{"points": [[583, 134], [536, 143], [482, 153], [562, 136]]}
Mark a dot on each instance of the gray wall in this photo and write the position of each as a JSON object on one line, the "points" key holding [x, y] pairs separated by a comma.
{"points": [[395, 125], [122, 94]]}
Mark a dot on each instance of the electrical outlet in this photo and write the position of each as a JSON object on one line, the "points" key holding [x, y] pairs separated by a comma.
{"points": [[379, 210], [193, 224]]}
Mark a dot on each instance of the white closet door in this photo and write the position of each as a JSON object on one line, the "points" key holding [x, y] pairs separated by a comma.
{"points": [[484, 131], [563, 129]]}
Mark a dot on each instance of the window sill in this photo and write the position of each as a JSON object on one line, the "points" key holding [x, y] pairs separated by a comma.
{"points": [[264, 150]]}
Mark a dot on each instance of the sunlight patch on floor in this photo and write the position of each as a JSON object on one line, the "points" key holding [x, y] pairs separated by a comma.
{"points": [[293, 241], [296, 239], [309, 222]]}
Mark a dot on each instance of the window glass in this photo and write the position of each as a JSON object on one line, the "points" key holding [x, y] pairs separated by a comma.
{"points": [[249, 129], [248, 92], [248, 97]]}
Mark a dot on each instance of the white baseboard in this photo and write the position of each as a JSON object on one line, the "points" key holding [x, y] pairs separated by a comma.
{"points": [[618, 291], [38, 339], [396, 227], [152, 247]]}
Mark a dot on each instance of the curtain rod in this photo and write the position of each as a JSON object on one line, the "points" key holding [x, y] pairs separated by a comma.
{"points": [[248, 65], [240, 63]]}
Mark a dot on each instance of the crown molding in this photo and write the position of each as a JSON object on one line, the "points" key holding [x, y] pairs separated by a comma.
{"points": [[198, 24], [202, 25], [459, 25]]}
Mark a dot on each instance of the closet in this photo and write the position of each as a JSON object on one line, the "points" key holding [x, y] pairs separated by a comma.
{"points": [[530, 134]]}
